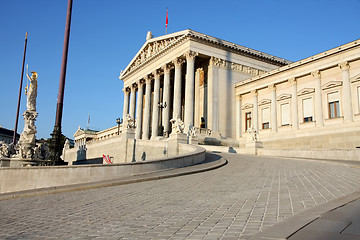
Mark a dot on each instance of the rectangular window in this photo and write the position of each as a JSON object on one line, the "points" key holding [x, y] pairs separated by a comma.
{"points": [[334, 107], [308, 111], [285, 114], [247, 120], [265, 114]]}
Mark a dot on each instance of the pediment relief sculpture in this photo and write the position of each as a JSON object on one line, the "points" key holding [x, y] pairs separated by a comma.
{"points": [[264, 102], [150, 50], [247, 106], [331, 84], [306, 91], [283, 97]]}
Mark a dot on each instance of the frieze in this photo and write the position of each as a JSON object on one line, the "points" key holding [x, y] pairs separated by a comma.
{"points": [[218, 62]]}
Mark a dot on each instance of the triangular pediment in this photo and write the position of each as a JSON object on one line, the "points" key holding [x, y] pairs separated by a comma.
{"points": [[79, 132], [264, 102], [306, 91], [247, 106], [283, 97], [331, 84], [355, 78], [152, 48], [155, 47]]}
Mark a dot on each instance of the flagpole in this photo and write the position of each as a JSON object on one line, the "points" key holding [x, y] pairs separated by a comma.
{"points": [[166, 23], [56, 135], [20, 89]]}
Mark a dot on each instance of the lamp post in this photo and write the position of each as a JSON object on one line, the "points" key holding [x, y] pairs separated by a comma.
{"points": [[118, 121], [161, 106]]}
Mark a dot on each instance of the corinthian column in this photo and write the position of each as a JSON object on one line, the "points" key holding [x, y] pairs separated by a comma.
{"points": [[189, 89], [126, 91], [294, 104], [133, 100], [139, 110], [273, 108], [255, 109], [346, 92], [177, 87], [146, 128], [318, 99], [166, 99], [155, 113]]}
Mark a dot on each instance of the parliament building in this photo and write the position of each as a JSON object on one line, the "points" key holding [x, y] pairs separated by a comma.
{"points": [[223, 89]]}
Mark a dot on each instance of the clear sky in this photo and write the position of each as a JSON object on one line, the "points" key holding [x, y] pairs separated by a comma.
{"points": [[105, 36]]}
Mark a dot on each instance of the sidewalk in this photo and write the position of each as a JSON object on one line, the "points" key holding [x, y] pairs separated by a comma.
{"points": [[337, 219]]}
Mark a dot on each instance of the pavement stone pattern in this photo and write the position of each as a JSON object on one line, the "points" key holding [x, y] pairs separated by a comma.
{"points": [[248, 195]]}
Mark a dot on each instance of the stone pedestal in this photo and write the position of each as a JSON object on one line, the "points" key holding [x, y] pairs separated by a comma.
{"points": [[174, 140], [128, 133], [251, 147], [194, 140]]}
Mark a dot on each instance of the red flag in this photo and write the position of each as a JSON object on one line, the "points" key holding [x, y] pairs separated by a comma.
{"points": [[167, 20]]}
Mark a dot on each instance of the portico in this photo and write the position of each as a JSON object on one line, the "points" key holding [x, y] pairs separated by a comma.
{"points": [[190, 75]]}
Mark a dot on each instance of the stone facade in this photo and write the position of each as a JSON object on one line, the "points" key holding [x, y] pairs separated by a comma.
{"points": [[310, 104]]}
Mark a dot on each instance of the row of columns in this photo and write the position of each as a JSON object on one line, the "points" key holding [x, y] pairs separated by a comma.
{"points": [[143, 127], [346, 100]]}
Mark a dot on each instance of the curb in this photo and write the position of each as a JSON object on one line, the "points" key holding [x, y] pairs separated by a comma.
{"points": [[207, 166]]}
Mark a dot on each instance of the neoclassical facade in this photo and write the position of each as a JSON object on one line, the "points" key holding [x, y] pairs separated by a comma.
{"points": [[227, 89], [310, 104], [190, 75]]}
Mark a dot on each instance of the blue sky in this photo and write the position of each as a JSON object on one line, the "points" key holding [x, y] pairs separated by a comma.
{"points": [[105, 36]]}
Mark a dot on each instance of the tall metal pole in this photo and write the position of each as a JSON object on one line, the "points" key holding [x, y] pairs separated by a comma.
{"points": [[59, 107], [20, 90]]}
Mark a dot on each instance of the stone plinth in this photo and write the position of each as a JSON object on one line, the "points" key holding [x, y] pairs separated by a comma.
{"points": [[194, 140], [174, 140], [128, 133], [251, 147]]}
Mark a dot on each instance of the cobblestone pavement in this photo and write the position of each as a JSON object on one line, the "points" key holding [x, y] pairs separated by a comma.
{"points": [[236, 201]]}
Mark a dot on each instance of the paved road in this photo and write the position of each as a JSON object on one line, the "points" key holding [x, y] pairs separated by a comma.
{"points": [[236, 201]]}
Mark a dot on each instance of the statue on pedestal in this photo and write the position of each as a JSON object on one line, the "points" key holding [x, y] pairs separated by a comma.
{"points": [[177, 125]]}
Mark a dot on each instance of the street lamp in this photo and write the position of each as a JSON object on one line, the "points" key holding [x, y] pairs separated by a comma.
{"points": [[161, 106], [118, 121]]}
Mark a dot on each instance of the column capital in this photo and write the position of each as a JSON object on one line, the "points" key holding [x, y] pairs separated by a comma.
{"points": [[141, 82], [254, 92], [126, 89], [272, 87], [167, 67], [148, 78], [190, 55], [157, 73], [178, 62], [344, 66], [134, 86], [316, 74], [292, 81]]}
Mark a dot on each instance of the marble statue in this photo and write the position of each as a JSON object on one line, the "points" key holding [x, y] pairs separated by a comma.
{"points": [[32, 92], [253, 135], [192, 131], [129, 122], [177, 125]]}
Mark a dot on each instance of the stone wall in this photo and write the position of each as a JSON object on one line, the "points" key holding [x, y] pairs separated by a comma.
{"points": [[54, 176]]}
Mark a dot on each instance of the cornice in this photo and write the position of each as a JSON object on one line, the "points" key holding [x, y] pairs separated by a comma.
{"points": [[302, 62]]}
